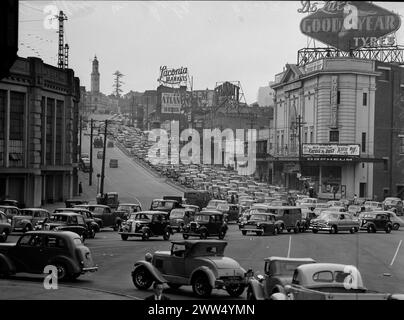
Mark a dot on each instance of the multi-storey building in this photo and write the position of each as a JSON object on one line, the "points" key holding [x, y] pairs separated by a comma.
{"points": [[38, 133], [337, 127]]}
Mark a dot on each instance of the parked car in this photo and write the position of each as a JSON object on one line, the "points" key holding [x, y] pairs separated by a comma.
{"points": [[205, 224], [106, 218], [197, 263], [70, 203], [29, 219], [67, 221], [92, 223], [36, 249], [10, 211], [146, 224], [374, 221], [164, 205], [278, 272], [9, 202], [395, 220], [394, 204], [180, 217], [329, 281], [261, 224], [334, 222], [5, 227]]}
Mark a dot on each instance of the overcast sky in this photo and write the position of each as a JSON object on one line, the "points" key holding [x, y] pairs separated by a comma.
{"points": [[244, 41]]}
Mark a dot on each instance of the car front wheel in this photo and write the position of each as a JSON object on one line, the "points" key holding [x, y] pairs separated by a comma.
{"points": [[388, 229], [235, 290], [203, 234], [62, 271], [244, 232], [124, 237], [142, 279], [201, 286], [396, 226], [145, 235]]}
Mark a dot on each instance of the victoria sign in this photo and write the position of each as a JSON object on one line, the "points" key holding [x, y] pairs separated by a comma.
{"points": [[348, 25]]}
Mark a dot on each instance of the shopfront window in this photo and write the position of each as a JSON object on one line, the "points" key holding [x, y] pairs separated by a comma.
{"points": [[330, 179]]}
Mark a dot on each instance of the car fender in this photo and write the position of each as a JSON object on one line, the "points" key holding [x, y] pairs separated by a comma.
{"points": [[25, 222], [6, 265], [257, 289], [279, 223], [94, 225], [207, 271], [72, 266], [156, 274], [146, 229]]}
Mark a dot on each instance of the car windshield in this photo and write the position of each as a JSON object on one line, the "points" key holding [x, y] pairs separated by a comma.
{"points": [[258, 217], [177, 214], [59, 218], [328, 216], [199, 218]]}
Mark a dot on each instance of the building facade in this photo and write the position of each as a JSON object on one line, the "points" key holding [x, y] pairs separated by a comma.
{"points": [[38, 133]]}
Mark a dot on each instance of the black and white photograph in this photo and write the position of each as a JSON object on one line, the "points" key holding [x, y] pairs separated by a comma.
{"points": [[222, 152]]}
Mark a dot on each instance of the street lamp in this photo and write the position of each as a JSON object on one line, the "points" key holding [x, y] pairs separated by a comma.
{"points": [[98, 183]]}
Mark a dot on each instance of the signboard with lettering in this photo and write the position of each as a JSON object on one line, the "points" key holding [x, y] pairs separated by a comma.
{"points": [[170, 102], [331, 150], [173, 76], [348, 25], [334, 102]]}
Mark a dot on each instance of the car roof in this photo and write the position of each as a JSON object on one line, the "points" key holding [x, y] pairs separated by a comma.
{"points": [[90, 205], [277, 258], [129, 204], [65, 234], [72, 209], [151, 212], [209, 212], [193, 242], [69, 213], [33, 209]]}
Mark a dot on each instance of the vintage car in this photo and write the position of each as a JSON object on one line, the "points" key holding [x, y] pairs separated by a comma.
{"points": [[288, 217], [199, 263], [92, 223], [5, 227], [164, 205], [180, 217], [67, 221], [261, 224], [234, 212], [70, 203], [278, 273], [374, 221], [109, 199], [106, 218], [334, 222], [125, 209], [394, 204], [146, 224], [113, 163], [208, 223], [395, 220], [36, 249], [10, 211], [328, 281], [29, 219], [9, 202], [307, 216]]}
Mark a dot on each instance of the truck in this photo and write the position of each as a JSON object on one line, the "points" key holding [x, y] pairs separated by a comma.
{"points": [[329, 281]]}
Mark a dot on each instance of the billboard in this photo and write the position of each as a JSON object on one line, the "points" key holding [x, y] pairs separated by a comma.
{"points": [[173, 76], [170, 102], [342, 150], [348, 25]]}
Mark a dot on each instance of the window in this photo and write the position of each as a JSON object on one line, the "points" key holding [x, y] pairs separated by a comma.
{"points": [[401, 144], [385, 164], [311, 136], [334, 136], [338, 97], [363, 141], [17, 106], [362, 190], [365, 99], [323, 276], [50, 109]]}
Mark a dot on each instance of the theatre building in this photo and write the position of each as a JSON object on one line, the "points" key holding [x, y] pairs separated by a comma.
{"points": [[38, 133], [338, 126]]}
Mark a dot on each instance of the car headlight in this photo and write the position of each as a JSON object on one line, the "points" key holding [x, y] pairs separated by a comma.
{"points": [[258, 225], [9, 221], [56, 228]]}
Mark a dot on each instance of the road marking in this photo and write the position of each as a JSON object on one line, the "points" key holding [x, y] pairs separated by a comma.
{"points": [[395, 255], [290, 241]]}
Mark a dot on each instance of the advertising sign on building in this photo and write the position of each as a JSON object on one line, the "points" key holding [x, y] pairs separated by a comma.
{"points": [[173, 76], [170, 102], [326, 150], [348, 25], [334, 102]]}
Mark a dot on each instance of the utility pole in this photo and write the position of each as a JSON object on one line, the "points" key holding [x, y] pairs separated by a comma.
{"points": [[299, 123], [81, 133], [90, 177], [103, 159], [132, 106]]}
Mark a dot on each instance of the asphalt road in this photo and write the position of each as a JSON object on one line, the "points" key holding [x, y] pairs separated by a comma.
{"points": [[375, 255]]}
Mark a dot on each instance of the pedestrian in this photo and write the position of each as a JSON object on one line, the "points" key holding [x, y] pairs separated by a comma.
{"points": [[355, 199], [80, 188], [158, 292], [232, 199]]}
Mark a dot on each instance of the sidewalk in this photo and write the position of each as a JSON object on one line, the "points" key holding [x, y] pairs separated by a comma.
{"points": [[16, 290]]}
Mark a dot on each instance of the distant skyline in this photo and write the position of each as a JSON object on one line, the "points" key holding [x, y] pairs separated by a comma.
{"points": [[244, 41]]}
